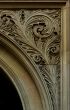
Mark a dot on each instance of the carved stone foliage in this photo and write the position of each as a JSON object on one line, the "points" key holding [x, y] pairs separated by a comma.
{"points": [[38, 34]]}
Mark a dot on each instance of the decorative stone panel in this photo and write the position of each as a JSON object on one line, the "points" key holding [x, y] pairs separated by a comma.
{"points": [[37, 32]]}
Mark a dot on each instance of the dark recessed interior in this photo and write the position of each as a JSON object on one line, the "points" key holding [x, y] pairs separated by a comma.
{"points": [[9, 98]]}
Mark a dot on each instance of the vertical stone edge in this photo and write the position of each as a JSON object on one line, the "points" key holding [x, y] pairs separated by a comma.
{"points": [[65, 77]]}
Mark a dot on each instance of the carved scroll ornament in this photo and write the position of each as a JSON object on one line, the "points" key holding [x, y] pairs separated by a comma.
{"points": [[38, 33]]}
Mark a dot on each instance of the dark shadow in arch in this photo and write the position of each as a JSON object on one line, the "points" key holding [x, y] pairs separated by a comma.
{"points": [[9, 98]]}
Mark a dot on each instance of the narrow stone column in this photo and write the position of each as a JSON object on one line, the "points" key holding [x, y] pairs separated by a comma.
{"points": [[66, 58]]}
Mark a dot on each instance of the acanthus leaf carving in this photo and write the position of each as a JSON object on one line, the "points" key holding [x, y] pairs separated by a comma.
{"points": [[42, 30]]}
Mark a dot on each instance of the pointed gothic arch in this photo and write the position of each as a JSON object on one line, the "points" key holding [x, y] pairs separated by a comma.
{"points": [[15, 63]]}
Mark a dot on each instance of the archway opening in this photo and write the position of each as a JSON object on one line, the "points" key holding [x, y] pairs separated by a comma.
{"points": [[9, 98]]}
